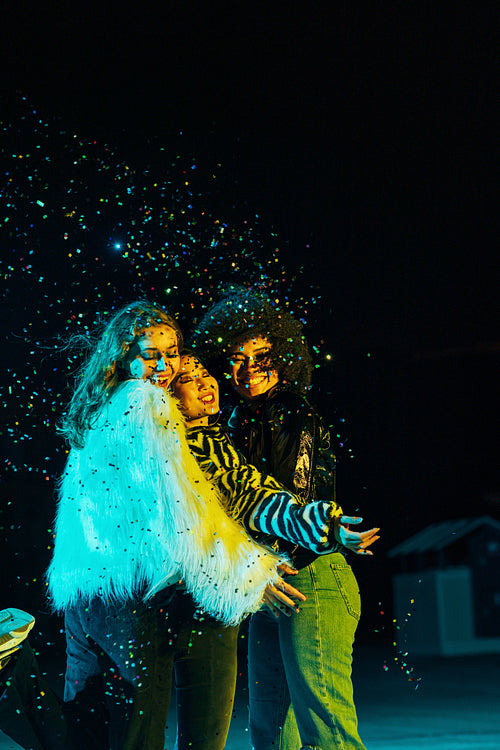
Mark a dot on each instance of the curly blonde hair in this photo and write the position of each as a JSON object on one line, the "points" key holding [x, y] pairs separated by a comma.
{"points": [[103, 369]]}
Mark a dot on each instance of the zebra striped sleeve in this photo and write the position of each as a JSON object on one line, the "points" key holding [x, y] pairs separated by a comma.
{"points": [[308, 525], [258, 500]]}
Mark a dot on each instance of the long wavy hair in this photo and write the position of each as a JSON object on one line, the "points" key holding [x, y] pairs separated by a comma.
{"points": [[243, 313], [103, 368]]}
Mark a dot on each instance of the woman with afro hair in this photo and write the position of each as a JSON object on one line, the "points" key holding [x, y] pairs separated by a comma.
{"points": [[300, 687]]}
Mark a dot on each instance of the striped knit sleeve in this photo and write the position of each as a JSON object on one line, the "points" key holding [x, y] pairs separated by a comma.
{"points": [[310, 525], [260, 502]]}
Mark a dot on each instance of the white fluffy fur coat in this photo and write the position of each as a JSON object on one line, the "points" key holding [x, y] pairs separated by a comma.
{"points": [[136, 513]]}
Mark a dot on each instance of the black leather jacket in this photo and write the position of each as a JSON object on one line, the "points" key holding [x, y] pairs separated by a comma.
{"points": [[283, 435]]}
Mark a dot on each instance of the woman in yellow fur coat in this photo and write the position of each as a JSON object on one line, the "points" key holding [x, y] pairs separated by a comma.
{"points": [[136, 515]]}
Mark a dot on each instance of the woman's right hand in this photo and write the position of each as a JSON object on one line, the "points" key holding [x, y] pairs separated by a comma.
{"points": [[277, 598], [356, 541]]}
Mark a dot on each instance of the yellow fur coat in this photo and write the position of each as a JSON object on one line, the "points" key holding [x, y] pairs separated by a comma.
{"points": [[135, 513]]}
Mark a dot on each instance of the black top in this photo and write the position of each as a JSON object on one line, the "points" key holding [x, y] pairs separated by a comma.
{"points": [[283, 435]]}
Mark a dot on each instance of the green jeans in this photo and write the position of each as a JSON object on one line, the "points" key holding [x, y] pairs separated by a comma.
{"points": [[300, 687]]}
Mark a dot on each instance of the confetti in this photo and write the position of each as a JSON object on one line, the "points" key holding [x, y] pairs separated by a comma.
{"points": [[110, 231]]}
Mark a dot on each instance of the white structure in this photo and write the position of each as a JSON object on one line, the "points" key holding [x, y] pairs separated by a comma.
{"points": [[447, 601]]}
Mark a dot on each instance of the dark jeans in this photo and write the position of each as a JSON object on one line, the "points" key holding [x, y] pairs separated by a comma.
{"points": [[204, 663], [136, 648]]}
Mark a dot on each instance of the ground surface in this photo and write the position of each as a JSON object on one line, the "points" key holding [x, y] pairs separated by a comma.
{"points": [[455, 707]]}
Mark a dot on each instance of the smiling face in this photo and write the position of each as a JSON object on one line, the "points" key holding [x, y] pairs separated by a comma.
{"points": [[250, 368], [197, 391], [154, 356]]}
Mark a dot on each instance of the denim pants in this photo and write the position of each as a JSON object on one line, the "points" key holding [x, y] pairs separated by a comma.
{"points": [[136, 648], [122, 645], [299, 667], [205, 669]]}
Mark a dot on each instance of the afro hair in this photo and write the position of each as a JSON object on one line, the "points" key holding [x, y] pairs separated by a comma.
{"points": [[243, 313]]}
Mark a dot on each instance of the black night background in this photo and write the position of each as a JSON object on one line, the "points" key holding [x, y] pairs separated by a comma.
{"points": [[337, 155]]}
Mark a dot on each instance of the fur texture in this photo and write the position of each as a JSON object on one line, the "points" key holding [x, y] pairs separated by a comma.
{"points": [[135, 513]]}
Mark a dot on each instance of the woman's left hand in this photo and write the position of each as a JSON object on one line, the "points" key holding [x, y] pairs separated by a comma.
{"points": [[277, 598], [356, 541]]}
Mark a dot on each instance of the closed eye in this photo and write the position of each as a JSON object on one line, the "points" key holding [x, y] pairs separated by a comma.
{"points": [[150, 354]]}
